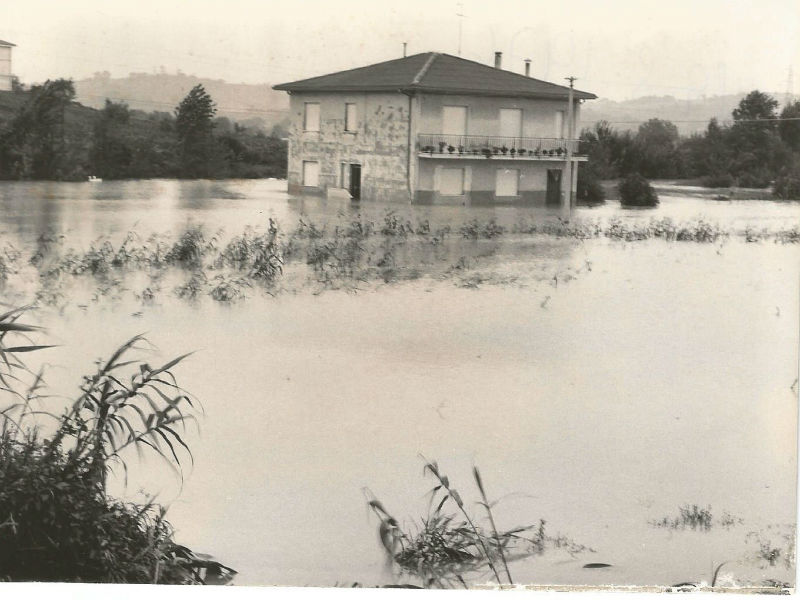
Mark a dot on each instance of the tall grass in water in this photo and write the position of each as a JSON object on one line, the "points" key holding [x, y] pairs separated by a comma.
{"points": [[446, 546], [336, 254], [57, 521], [692, 516], [259, 255]]}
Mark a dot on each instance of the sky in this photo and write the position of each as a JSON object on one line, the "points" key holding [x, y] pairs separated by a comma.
{"points": [[618, 49]]}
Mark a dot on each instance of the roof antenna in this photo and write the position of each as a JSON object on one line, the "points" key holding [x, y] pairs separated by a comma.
{"points": [[404, 48], [460, 15]]}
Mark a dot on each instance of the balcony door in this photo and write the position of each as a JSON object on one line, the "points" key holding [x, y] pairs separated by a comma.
{"points": [[559, 125], [511, 122], [454, 120]]}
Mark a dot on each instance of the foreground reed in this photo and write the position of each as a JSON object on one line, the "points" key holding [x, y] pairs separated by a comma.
{"points": [[57, 519], [447, 549]]}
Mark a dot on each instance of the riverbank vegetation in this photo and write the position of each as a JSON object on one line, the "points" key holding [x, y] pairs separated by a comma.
{"points": [[57, 520], [46, 135], [342, 254], [758, 149]]}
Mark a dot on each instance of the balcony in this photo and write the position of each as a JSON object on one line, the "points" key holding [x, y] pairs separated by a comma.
{"points": [[437, 145]]}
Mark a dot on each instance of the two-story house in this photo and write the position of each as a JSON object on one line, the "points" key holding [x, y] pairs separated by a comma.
{"points": [[434, 128]]}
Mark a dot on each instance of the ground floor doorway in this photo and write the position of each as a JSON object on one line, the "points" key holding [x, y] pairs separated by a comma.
{"points": [[553, 195]]}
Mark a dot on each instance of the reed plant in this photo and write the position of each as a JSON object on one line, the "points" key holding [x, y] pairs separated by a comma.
{"points": [[57, 519], [449, 547]]}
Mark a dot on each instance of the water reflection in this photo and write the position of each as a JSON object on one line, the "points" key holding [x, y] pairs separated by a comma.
{"points": [[156, 206]]}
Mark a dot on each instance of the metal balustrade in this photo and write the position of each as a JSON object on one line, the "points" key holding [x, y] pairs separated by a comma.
{"points": [[480, 146]]}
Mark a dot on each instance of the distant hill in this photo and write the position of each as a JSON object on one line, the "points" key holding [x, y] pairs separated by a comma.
{"points": [[258, 106], [628, 114]]}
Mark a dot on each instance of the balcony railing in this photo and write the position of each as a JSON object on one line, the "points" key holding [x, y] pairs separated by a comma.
{"points": [[479, 146]]}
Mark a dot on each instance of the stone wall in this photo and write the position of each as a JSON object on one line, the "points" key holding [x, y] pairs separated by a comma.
{"points": [[379, 143]]}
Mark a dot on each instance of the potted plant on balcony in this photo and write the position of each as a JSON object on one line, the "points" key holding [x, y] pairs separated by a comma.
{"points": [[559, 150], [521, 151], [441, 147], [451, 149], [536, 152], [504, 149], [461, 149], [487, 152], [513, 151]]}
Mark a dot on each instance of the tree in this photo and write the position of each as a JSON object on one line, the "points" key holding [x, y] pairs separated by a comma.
{"points": [[611, 153], [787, 183], [790, 130], [194, 125], [657, 141], [757, 151], [756, 106], [36, 145], [111, 155]]}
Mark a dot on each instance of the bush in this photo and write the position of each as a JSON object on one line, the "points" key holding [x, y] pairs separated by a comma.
{"points": [[57, 522], [754, 179], [589, 191], [59, 526], [787, 184], [635, 190], [717, 180]]}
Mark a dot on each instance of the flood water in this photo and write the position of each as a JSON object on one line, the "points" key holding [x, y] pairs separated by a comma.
{"points": [[598, 384]]}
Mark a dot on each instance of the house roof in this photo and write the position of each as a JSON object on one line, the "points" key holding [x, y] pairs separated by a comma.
{"points": [[6, 44], [435, 73]]}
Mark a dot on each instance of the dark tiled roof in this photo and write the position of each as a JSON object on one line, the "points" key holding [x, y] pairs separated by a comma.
{"points": [[434, 73], [2, 43]]}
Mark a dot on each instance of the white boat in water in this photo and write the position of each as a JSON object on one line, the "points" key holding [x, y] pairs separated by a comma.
{"points": [[93, 179]]}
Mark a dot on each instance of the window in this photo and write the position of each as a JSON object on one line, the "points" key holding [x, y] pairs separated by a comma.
{"points": [[451, 182], [311, 116], [454, 120], [310, 173], [559, 124], [511, 122], [350, 117], [507, 182]]}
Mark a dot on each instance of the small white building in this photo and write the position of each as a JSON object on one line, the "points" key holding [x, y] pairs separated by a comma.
{"points": [[5, 65]]}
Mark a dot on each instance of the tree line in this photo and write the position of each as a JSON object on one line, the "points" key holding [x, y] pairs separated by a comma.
{"points": [[760, 148], [51, 137]]}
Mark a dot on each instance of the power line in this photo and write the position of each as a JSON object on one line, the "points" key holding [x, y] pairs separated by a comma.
{"points": [[725, 122]]}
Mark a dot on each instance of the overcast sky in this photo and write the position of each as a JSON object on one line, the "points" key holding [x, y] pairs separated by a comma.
{"points": [[617, 48]]}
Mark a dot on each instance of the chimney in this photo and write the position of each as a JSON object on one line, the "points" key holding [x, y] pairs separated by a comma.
{"points": [[527, 67], [498, 60]]}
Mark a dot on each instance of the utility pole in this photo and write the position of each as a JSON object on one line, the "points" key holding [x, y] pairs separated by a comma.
{"points": [[570, 137], [460, 15], [404, 48]]}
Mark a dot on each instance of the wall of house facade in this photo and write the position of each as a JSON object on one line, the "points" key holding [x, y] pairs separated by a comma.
{"points": [[5, 68], [379, 143], [480, 181], [483, 114]]}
